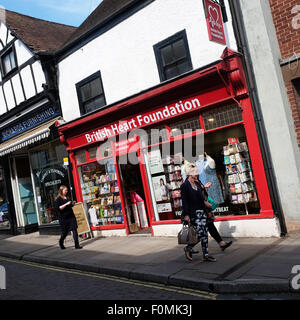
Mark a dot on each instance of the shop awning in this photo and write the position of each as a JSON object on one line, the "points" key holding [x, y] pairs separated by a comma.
{"points": [[27, 138]]}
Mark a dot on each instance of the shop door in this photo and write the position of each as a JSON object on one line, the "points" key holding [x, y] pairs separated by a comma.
{"points": [[25, 190], [134, 196]]}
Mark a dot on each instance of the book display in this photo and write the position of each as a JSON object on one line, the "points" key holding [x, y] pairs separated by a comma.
{"points": [[167, 187], [239, 173], [100, 192]]}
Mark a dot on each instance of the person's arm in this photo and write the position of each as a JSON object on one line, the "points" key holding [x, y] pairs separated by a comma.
{"points": [[185, 203], [60, 206]]}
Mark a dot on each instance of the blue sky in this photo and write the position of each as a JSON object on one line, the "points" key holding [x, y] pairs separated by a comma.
{"points": [[70, 12]]}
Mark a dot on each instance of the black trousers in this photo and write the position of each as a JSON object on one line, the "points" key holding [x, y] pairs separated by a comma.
{"points": [[213, 231], [65, 233]]}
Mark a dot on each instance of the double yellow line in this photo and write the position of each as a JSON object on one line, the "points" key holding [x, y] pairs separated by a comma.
{"points": [[182, 291]]}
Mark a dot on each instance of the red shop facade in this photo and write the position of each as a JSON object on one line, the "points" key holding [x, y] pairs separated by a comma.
{"points": [[129, 181]]}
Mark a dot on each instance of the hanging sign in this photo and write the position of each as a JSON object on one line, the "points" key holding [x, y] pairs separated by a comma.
{"points": [[214, 22]]}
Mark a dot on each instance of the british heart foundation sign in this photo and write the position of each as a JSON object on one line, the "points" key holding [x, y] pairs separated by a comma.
{"points": [[214, 22]]}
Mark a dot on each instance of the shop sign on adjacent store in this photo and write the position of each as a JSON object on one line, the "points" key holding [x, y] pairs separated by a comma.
{"points": [[29, 123], [214, 22]]}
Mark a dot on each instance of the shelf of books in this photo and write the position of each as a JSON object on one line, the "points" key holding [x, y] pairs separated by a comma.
{"points": [[239, 173], [100, 191]]}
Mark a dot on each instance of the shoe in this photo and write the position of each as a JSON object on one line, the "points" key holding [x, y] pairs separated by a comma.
{"points": [[228, 244], [61, 245], [188, 254], [78, 247], [194, 251], [210, 259]]}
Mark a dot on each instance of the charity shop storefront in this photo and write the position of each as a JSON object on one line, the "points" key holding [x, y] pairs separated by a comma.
{"points": [[128, 159], [32, 160]]}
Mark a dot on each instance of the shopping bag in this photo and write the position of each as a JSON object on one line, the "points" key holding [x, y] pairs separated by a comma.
{"points": [[183, 234]]}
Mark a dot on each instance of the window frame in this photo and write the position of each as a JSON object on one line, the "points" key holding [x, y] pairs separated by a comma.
{"points": [[80, 84], [6, 52], [181, 35]]}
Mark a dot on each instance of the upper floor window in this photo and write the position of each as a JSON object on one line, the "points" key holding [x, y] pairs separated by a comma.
{"points": [[173, 56], [90, 93], [8, 61]]}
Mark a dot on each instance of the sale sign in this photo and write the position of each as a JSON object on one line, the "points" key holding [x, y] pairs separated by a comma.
{"points": [[214, 22]]}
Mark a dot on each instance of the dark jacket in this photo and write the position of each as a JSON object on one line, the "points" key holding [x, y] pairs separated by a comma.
{"points": [[192, 200]]}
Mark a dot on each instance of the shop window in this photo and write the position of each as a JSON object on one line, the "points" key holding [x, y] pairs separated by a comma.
{"points": [[100, 191], [81, 157], [90, 93], [179, 128], [222, 116], [157, 135], [173, 56], [49, 174], [8, 61], [92, 153], [223, 160]]}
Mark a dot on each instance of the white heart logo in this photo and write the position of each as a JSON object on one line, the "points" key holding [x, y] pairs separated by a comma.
{"points": [[213, 17]]}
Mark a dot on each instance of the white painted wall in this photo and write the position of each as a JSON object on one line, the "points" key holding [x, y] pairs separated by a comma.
{"points": [[23, 54], [125, 56], [258, 228], [265, 55]]}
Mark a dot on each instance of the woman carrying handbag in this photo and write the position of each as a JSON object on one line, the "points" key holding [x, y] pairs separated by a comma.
{"points": [[195, 211]]}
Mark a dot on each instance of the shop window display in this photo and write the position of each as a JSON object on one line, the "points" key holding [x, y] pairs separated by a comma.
{"points": [[100, 191], [224, 161], [49, 174]]}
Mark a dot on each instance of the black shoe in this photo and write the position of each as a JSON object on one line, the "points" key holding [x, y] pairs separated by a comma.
{"points": [[228, 244], [61, 245], [78, 247]]}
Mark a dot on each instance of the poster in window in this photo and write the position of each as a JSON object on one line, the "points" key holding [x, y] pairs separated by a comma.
{"points": [[160, 187], [155, 162], [164, 207]]}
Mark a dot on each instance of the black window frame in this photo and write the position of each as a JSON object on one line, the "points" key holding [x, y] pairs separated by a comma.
{"points": [[82, 83], [4, 53], [181, 35]]}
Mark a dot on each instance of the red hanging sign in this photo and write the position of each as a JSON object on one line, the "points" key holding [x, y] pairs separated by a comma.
{"points": [[214, 22]]}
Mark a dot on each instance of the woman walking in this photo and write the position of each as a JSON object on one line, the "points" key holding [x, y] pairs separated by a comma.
{"points": [[67, 218], [195, 211]]}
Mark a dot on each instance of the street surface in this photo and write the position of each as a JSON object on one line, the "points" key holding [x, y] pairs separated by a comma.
{"points": [[31, 281]]}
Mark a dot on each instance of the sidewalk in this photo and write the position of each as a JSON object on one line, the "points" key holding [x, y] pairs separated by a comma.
{"points": [[249, 265]]}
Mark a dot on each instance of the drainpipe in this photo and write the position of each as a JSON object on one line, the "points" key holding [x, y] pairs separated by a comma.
{"points": [[243, 47]]}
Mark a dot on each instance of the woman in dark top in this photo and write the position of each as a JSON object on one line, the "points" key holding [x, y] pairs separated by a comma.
{"points": [[195, 210], [66, 216]]}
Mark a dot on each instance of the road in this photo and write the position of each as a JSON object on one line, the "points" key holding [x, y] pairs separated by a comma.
{"points": [[32, 281]]}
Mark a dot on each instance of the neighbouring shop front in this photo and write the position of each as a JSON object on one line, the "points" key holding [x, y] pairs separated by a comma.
{"points": [[34, 159], [128, 160]]}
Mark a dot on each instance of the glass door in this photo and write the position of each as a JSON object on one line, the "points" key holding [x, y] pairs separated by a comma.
{"points": [[22, 168]]}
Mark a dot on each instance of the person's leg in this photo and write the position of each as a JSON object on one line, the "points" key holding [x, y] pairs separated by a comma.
{"points": [[214, 232], [63, 236], [75, 237]]}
